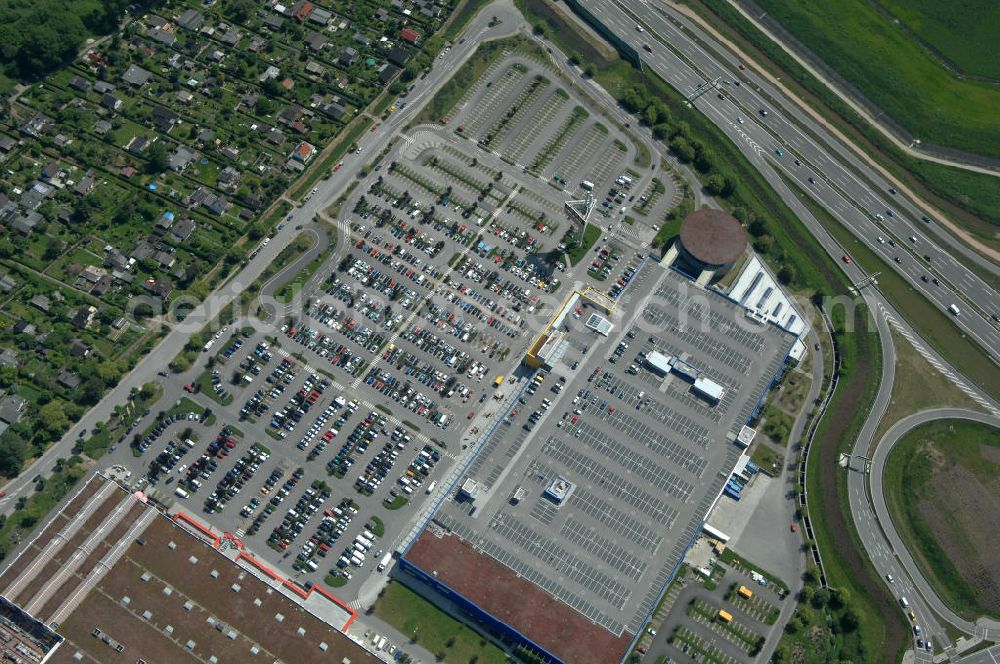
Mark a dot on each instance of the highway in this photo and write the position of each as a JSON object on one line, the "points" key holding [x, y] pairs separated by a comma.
{"points": [[691, 68], [855, 204]]}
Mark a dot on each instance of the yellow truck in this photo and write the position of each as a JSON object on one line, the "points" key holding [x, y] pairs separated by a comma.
{"points": [[745, 592], [725, 616], [499, 381]]}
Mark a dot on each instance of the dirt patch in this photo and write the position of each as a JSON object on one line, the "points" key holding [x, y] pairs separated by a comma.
{"points": [[953, 510], [990, 453], [852, 392]]}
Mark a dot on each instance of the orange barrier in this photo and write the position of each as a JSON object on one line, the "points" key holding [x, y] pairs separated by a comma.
{"points": [[215, 541]]}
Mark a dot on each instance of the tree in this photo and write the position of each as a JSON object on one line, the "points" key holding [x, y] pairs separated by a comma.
{"points": [[820, 598], [715, 184], [683, 149], [8, 374], [52, 416], [13, 450], [159, 160], [786, 274]]}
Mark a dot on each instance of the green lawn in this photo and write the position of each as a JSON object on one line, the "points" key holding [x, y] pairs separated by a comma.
{"points": [[434, 630], [972, 200], [965, 33], [590, 236], [920, 469], [892, 69]]}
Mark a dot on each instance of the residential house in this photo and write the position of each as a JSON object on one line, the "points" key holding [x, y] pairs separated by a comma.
{"points": [[274, 22], [304, 152], [80, 84], [230, 36], [163, 35], [11, 408], [398, 56], [159, 287], [300, 10], [138, 144], [69, 380], [184, 96], [80, 349], [41, 302], [228, 179], [164, 119], [111, 102], [269, 73], [102, 127], [275, 137], [8, 358], [335, 110], [24, 327], [315, 68], [164, 259], [181, 157], [86, 184], [191, 20], [103, 87], [7, 284], [136, 76], [37, 125], [25, 223], [316, 41], [83, 317], [206, 198], [387, 73], [182, 230], [320, 16], [50, 172], [348, 56], [7, 143], [250, 100], [292, 117], [31, 199], [409, 35]]}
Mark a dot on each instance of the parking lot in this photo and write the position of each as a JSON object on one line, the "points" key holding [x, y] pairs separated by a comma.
{"points": [[330, 431], [625, 508]]}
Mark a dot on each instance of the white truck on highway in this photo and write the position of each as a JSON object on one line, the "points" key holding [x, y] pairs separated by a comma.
{"points": [[954, 310]]}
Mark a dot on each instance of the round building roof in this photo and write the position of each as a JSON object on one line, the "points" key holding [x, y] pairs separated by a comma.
{"points": [[713, 237]]}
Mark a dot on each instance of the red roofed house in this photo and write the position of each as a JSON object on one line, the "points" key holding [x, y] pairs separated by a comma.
{"points": [[409, 35], [304, 152], [302, 9]]}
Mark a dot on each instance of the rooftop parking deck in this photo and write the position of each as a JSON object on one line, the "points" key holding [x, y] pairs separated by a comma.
{"points": [[646, 454]]}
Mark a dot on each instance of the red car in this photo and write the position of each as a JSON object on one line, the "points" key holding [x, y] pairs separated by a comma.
{"points": [[795, 527], [847, 259]]}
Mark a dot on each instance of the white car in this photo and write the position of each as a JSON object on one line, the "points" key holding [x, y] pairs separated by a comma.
{"points": [[881, 240], [639, 28], [740, 120]]}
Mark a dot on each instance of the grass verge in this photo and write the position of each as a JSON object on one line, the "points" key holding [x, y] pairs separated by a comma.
{"points": [[590, 235], [97, 444], [421, 621]]}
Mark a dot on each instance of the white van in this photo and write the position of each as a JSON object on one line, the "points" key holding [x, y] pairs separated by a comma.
{"points": [[904, 603], [313, 565], [954, 309], [180, 493], [430, 487]]}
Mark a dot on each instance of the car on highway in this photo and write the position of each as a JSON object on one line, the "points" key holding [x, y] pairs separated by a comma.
{"points": [[795, 527], [763, 112], [779, 151], [888, 577], [881, 240], [740, 120], [639, 28], [890, 213], [812, 180], [646, 48], [847, 259], [892, 191]]}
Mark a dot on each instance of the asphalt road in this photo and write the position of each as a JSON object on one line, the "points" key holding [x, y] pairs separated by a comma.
{"points": [[691, 68], [989, 629], [301, 217]]}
